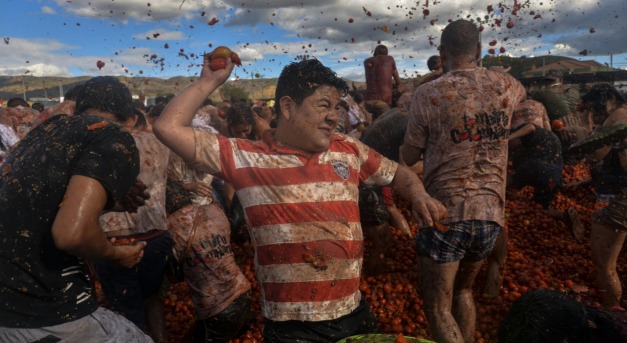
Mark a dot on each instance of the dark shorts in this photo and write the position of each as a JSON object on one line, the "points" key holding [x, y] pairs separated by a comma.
{"points": [[227, 324], [546, 178], [360, 321], [126, 289], [471, 240], [614, 215]]}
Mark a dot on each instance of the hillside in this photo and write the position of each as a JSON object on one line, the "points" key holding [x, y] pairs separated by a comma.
{"points": [[521, 64], [48, 87]]}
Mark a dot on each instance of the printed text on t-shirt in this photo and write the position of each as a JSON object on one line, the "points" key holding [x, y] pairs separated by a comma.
{"points": [[484, 126]]}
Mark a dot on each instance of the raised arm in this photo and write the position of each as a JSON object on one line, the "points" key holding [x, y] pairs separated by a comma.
{"points": [[174, 126]]}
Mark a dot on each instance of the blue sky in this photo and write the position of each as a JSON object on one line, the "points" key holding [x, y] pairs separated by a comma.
{"points": [[163, 38]]}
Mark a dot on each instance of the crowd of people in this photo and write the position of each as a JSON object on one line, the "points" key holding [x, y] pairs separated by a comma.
{"points": [[101, 186]]}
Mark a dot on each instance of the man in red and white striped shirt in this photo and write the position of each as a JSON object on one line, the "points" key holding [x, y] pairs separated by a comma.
{"points": [[298, 186]]}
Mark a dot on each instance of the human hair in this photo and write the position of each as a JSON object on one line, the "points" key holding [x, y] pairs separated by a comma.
{"points": [[108, 94], [598, 96], [460, 38], [155, 110], [380, 50], [299, 80], [257, 110], [141, 122], [38, 106], [73, 92], [549, 316], [432, 62], [15, 102], [239, 113]]}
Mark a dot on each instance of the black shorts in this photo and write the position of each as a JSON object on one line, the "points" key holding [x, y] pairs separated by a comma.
{"points": [[227, 324], [126, 289], [360, 321]]}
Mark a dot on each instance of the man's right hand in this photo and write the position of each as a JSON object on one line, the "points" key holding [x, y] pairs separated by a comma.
{"points": [[127, 256], [220, 75]]}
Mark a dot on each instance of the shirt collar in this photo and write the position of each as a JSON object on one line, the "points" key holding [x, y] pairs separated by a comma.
{"points": [[274, 145]]}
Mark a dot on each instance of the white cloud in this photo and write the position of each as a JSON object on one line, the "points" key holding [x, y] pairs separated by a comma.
{"points": [[143, 10], [249, 54], [48, 10], [340, 33]]}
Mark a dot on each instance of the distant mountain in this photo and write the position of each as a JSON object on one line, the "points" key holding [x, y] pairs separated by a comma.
{"points": [[259, 88], [523, 64], [51, 87]]}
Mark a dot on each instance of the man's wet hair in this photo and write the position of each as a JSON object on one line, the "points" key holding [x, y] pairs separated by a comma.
{"points": [[460, 38], [108, 94], [549, 316], [380, 50], [598, 96], [239, 113], [15, 102], [73, 92], [38, 106], [299, 80], [432, 62]]}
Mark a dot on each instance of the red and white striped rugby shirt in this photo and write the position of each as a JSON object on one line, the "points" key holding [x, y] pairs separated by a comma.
{"points": [[303, 218]]}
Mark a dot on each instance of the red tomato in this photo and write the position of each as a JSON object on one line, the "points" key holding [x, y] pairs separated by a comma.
{"points": [[217, 63], [557, 124]]}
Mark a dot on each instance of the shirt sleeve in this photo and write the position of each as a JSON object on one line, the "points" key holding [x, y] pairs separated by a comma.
{"points": [[376, 169], [111, 157], [207, 152], [417, 134]]}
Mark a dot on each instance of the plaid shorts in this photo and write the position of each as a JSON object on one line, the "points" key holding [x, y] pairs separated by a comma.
{"points": [[472, 240]]}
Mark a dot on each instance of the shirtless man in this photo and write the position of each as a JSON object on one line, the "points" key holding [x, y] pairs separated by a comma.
{"points": [[460, 122], [381, 80]]}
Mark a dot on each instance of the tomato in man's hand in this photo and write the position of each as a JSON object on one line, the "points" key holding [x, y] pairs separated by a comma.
{"points": [[217, 63]]}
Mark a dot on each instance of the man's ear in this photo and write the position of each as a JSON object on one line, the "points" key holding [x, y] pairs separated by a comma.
{"points": [[130, 123], [287, 105]]}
